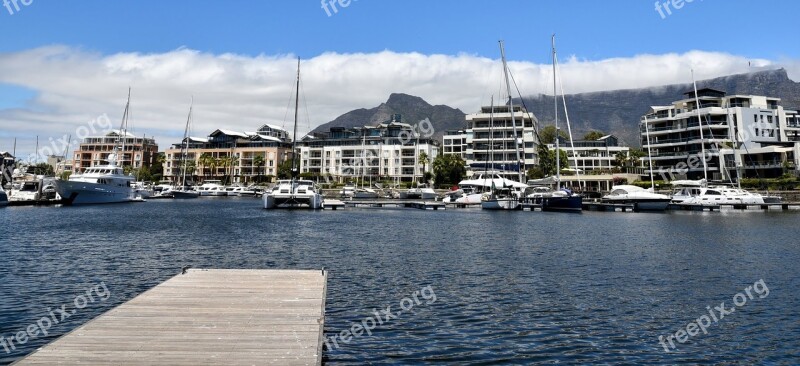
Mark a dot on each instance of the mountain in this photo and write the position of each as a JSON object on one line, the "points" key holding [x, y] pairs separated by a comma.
{"points": [[412, 109], [618, 111]]}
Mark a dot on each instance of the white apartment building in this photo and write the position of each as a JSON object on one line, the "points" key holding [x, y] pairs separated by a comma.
{"points": [[388, 151], [455, 143], [493, 145], [593, 156], [753, 134]]}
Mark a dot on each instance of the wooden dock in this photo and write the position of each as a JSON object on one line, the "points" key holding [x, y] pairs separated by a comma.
{"points": [[205, 317]]}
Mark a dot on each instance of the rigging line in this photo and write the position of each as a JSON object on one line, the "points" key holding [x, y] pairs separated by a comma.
{"points": [[533, 118], [288, 105], [569, 127], [305, 106]]}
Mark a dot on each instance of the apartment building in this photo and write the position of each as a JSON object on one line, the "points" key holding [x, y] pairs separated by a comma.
{"points": [[94, 150], [742, 135], [387, 151], [492, 141], [230, 156]]}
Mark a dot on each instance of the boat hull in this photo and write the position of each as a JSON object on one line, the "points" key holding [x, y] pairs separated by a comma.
{"points": [[184, 194], [569, 203], [501, 204], [277, 201], [3, 198], [81, 193], [655, 204]]}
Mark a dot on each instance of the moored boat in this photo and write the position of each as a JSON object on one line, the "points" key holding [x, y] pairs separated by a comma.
{"points": [[641, 199]]}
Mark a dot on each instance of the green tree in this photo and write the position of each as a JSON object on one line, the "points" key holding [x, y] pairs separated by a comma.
{"points": [[448, 169], [206, 160], [423, 160], [621, 160], [156, 170], [535, 173], [593, 135], [285, 169], [143, 174], [635, 156], [259, 161], [44, 169], [547, 135], [547, 160]]}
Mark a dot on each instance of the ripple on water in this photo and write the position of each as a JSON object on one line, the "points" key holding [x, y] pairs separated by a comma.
{"points": [[511, 288]]}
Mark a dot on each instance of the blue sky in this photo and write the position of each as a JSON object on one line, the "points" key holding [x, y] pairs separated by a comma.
{"points": [[66, 63], [593, 29]]}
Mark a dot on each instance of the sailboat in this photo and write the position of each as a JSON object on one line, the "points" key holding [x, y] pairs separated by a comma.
{"points": [[699, 192], [506, 197], [294, 192], [182, 192], [562, 199], [364, 192], [642, 199], [104, 183]]}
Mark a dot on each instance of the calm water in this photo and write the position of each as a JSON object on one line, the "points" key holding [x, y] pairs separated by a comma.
{"points": [[510, 287]]}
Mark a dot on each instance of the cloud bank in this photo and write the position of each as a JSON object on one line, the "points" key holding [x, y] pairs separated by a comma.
{"points": [[72, 86]]}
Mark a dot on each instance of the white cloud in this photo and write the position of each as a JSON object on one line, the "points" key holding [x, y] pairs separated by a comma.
{"points": [[73, 86]]}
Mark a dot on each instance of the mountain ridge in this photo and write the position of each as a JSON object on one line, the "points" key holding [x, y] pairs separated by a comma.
{"points": [[614, 112]]}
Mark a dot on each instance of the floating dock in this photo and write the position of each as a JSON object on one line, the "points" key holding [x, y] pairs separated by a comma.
{"points": [[205, 317], [423, 205]]}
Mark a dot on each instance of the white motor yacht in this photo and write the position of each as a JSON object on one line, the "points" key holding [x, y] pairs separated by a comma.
{"points": [[422, 192], [212, 188], [348, 191], [697, 192], [642, 199], [293, 194], [99, 184], [27, 190], [365, 193]]}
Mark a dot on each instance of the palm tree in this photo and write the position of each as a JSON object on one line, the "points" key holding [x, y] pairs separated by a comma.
{"points": [[621, 160], [258, 161], [424, 160], [206, 161], [233, 160]]}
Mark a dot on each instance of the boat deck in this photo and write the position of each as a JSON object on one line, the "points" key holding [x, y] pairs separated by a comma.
{"points": [[215, 316]]}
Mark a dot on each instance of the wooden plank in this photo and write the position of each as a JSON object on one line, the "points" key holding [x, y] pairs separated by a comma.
{"points": [[205, 317]]}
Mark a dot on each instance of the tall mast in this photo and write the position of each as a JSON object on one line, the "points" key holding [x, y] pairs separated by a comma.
{"points": [[555, 105], [511, 109], [649, 153], [123, 130], [296, 108], [491, 139], [185, 148], [700, 124]]}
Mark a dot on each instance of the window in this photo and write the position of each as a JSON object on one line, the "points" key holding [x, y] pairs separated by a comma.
{"points": [[755, 118]]}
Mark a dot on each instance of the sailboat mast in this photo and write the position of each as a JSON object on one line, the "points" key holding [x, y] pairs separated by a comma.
{"points": [[296, 108], [123, 130], [185, 149], [511, 109], [491, 140], [649, 153], [555, 105], [700, 124]]}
